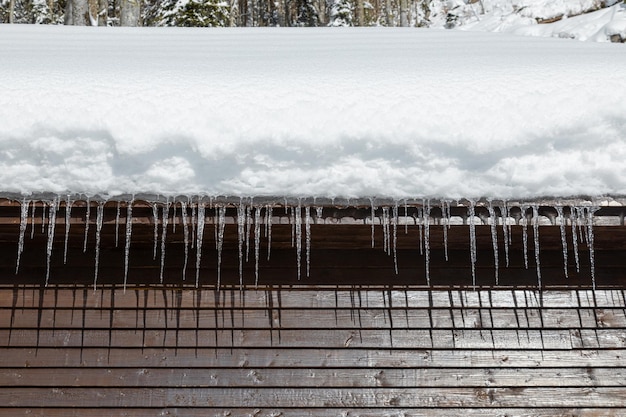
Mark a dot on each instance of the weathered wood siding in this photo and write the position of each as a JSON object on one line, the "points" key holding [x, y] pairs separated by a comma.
{"points": [[301, 351]]}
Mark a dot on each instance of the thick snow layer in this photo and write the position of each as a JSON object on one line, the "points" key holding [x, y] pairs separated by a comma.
{"points": [[295, 112], [578, 20]]}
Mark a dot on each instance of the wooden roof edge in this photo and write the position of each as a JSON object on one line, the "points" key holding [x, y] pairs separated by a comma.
{"points": [[147, 199]]}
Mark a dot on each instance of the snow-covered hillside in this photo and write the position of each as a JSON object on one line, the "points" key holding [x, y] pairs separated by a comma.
{"points": [[355, 113], [576, 19]]}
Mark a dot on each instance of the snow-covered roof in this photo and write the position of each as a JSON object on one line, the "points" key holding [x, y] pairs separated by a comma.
{"points": [[374, 112]]}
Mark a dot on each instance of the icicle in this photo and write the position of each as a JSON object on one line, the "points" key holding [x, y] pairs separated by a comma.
{"points": [[298, 235], [373, 216], [269, 230], [155, 217], [472, 231], [590, 239], [293, 224], [241, 231], [505, 230], [307, 219], [525, 235], [494, 239], [165, 221], [99, 221], [573, 220], [32, 222], [221, 224], [68, 222], [385, 225], [445, 211], [257, 243], [117, 223], [248, 219], [395, 237], [199, 237], [193, 224], [420, 227], [174, 217], [54, 204], [86, 225], [23, 221], [561, 219], [406, 218], [318, 214], [536, 242], [183, 211], [43, 217], [128, 233], [426, 221]]}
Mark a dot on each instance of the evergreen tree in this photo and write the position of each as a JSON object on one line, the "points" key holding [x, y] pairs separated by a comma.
{"points": [[307, 13], [341, 13], [193, 13]]}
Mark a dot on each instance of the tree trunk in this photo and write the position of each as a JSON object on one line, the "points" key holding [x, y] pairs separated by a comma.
{"points": [[12, 11], [77, 13], [360, 13], [249, 13], [388, 13], [404, 13], [129, 13], [103, 12]]}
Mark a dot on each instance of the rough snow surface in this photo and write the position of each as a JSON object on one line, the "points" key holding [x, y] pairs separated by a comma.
{"points": [[296, 112]]}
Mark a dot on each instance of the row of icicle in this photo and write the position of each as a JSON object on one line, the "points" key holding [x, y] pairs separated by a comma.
{"points": [[253, 217]]}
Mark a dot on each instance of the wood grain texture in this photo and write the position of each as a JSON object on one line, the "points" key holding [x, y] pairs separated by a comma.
{"points": [[300, 351]]}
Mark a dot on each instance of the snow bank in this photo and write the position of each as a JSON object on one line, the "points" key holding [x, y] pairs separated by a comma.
{"points": [[575, 19], [294, 112]]}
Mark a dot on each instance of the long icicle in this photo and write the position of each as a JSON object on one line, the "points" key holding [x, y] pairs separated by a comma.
{"points": [[505, 230], [221, 223], [445, 211], [155, 239], [183, 210], [257, 243], [117, 222], [373, 216], [395, 236], [128, 235], [536, 243], [241, 232], [561, 220], [269, 209], [590, 239], [164, 223], [68, 222], [199, 237], [99, 222], [87, 215], [307, 228], [54, 204], [23, 221], [574, 220], [472, 232], [494, 239], [525, 235], [298, 236], [426, 222]]}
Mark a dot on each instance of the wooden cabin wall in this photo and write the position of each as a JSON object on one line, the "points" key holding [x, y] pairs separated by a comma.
{"points": [[303, 351]]}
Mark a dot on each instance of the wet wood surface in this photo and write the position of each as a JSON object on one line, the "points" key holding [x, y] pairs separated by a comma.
{"points": [[303, 351]]}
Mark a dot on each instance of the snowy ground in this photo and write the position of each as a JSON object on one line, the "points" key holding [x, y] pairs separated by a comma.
{"points": [[576, 19], [295, 112]]}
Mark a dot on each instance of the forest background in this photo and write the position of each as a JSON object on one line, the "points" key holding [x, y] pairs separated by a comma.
{"points": [[303, 13]]}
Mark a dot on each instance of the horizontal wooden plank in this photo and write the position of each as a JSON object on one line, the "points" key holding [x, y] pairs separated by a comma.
{"points": [[303, 297], [317, 398], [330, 338], [309, 319], [316, 412], [311, 377], [277, 357]]}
